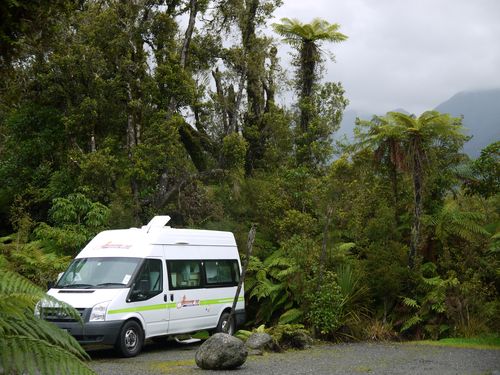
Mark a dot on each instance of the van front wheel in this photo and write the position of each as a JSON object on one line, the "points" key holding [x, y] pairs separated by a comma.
{"points": [[130, 339], [224, 326]]}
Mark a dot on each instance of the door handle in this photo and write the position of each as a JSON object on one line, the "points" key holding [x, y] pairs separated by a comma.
{"points": [[171, 297], [165, 298]]}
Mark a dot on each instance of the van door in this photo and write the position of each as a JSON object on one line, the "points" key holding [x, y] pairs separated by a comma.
{"points": [[147, 296], [186, 292]]}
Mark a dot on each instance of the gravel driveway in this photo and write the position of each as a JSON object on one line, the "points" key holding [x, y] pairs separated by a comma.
{"points": [[359, 358]]}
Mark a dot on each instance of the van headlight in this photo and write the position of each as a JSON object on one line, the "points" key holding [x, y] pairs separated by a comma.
{"points": [[98, 313]]}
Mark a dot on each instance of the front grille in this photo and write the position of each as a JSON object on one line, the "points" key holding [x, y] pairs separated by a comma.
{"points": [[56, 314]]}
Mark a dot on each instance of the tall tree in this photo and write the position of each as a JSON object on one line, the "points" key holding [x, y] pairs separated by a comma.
{"points": [[419, 135], [307, 39], [410, 142]]}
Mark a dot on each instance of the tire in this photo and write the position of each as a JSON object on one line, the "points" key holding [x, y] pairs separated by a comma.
{"points": [[224, 318], [130, 340]]}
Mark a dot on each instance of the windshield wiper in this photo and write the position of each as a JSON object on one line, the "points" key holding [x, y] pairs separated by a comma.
{"points": [[109, 284], [77, 286]]}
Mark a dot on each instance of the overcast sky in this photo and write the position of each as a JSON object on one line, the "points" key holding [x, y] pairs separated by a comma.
{"points": [[411, 54]]}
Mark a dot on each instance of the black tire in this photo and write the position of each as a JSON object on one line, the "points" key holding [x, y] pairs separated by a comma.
{"points": [[130, 340], [224, 318]]}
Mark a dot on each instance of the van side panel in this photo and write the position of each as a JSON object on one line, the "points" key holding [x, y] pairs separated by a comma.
{"points": [[199, 308]]}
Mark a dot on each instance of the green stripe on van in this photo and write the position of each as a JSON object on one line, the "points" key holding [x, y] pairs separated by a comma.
{"points": [[160, 306], [172, 305], [218, 301]]}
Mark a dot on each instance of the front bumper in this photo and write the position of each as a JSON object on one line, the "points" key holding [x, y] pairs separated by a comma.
{"points": [[93, 332]]}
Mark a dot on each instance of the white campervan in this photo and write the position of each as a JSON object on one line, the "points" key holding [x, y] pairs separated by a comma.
{"points": [[132, 284]]}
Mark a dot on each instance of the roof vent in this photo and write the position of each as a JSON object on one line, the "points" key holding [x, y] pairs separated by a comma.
{"points": [[157, 222]]}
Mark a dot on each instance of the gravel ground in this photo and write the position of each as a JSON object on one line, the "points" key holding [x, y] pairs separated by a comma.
{"points": [[359, 358]]}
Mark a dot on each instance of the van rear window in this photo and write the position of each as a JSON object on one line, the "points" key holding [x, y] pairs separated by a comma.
{"points": [[191, 274], [222, 272]]}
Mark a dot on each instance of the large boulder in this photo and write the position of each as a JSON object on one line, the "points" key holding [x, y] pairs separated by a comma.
{"points": [[221, 352]]}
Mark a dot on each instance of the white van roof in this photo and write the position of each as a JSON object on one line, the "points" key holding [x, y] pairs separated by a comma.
{"points": [[134, 242]]}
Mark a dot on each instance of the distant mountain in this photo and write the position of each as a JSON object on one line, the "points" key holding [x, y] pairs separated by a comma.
{"points": [[347, 125], [481, 117], [349, 118], [481, 112]]}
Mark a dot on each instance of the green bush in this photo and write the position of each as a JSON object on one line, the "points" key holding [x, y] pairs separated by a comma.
{"points": [[325, 306]]}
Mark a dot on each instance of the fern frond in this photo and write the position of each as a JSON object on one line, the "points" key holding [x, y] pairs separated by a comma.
{"points": [[413, 321], [283, 274], [11, 283], [410, 302], [22, 354], [291, 316]]}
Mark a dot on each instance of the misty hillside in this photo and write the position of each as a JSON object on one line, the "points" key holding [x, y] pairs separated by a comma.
{"points": [[481, 112], [480, 109]]}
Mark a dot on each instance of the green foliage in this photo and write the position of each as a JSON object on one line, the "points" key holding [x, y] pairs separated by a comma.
{"points": [[234, 148], [325, 305], [31, 345], [487, 170], [283, 334], [291, 316], [269, 282], [76, 220], [430, 307], [31, 261]]}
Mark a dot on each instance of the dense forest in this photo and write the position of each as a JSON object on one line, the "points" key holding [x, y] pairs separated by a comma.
{"points": [[112, 112]]}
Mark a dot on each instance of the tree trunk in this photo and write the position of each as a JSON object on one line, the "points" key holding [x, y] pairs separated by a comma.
{"points": [[251, 237], [395, 191], [193, 11], [417, 201], [322, 259], [307, 77]]}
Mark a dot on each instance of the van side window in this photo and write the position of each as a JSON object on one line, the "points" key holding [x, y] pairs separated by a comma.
{"points": [[184, 274], [222, 272], [148, 282]]}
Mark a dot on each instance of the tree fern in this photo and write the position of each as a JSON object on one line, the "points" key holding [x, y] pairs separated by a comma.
{"points": [[31, 345]]}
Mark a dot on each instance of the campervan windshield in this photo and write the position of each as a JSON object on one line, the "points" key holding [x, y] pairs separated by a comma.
{"points": [[109, 272]]}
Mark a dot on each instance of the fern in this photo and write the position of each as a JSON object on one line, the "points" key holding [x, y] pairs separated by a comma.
{"points": [[413, 321], [26, 354], [291, 316], [31, 345], [410, 302]]}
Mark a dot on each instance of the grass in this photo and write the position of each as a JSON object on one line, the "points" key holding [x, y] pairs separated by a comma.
{"points": [[487, 342]]}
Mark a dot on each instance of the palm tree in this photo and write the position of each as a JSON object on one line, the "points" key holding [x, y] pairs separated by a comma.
{"points": [[307, 38], [31, 345], [408, 141], [420, 134]]}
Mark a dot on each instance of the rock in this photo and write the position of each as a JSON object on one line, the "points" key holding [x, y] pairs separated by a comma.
{"points": [[252, 352], [221, 352], [259, 341], [297, 340]]}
